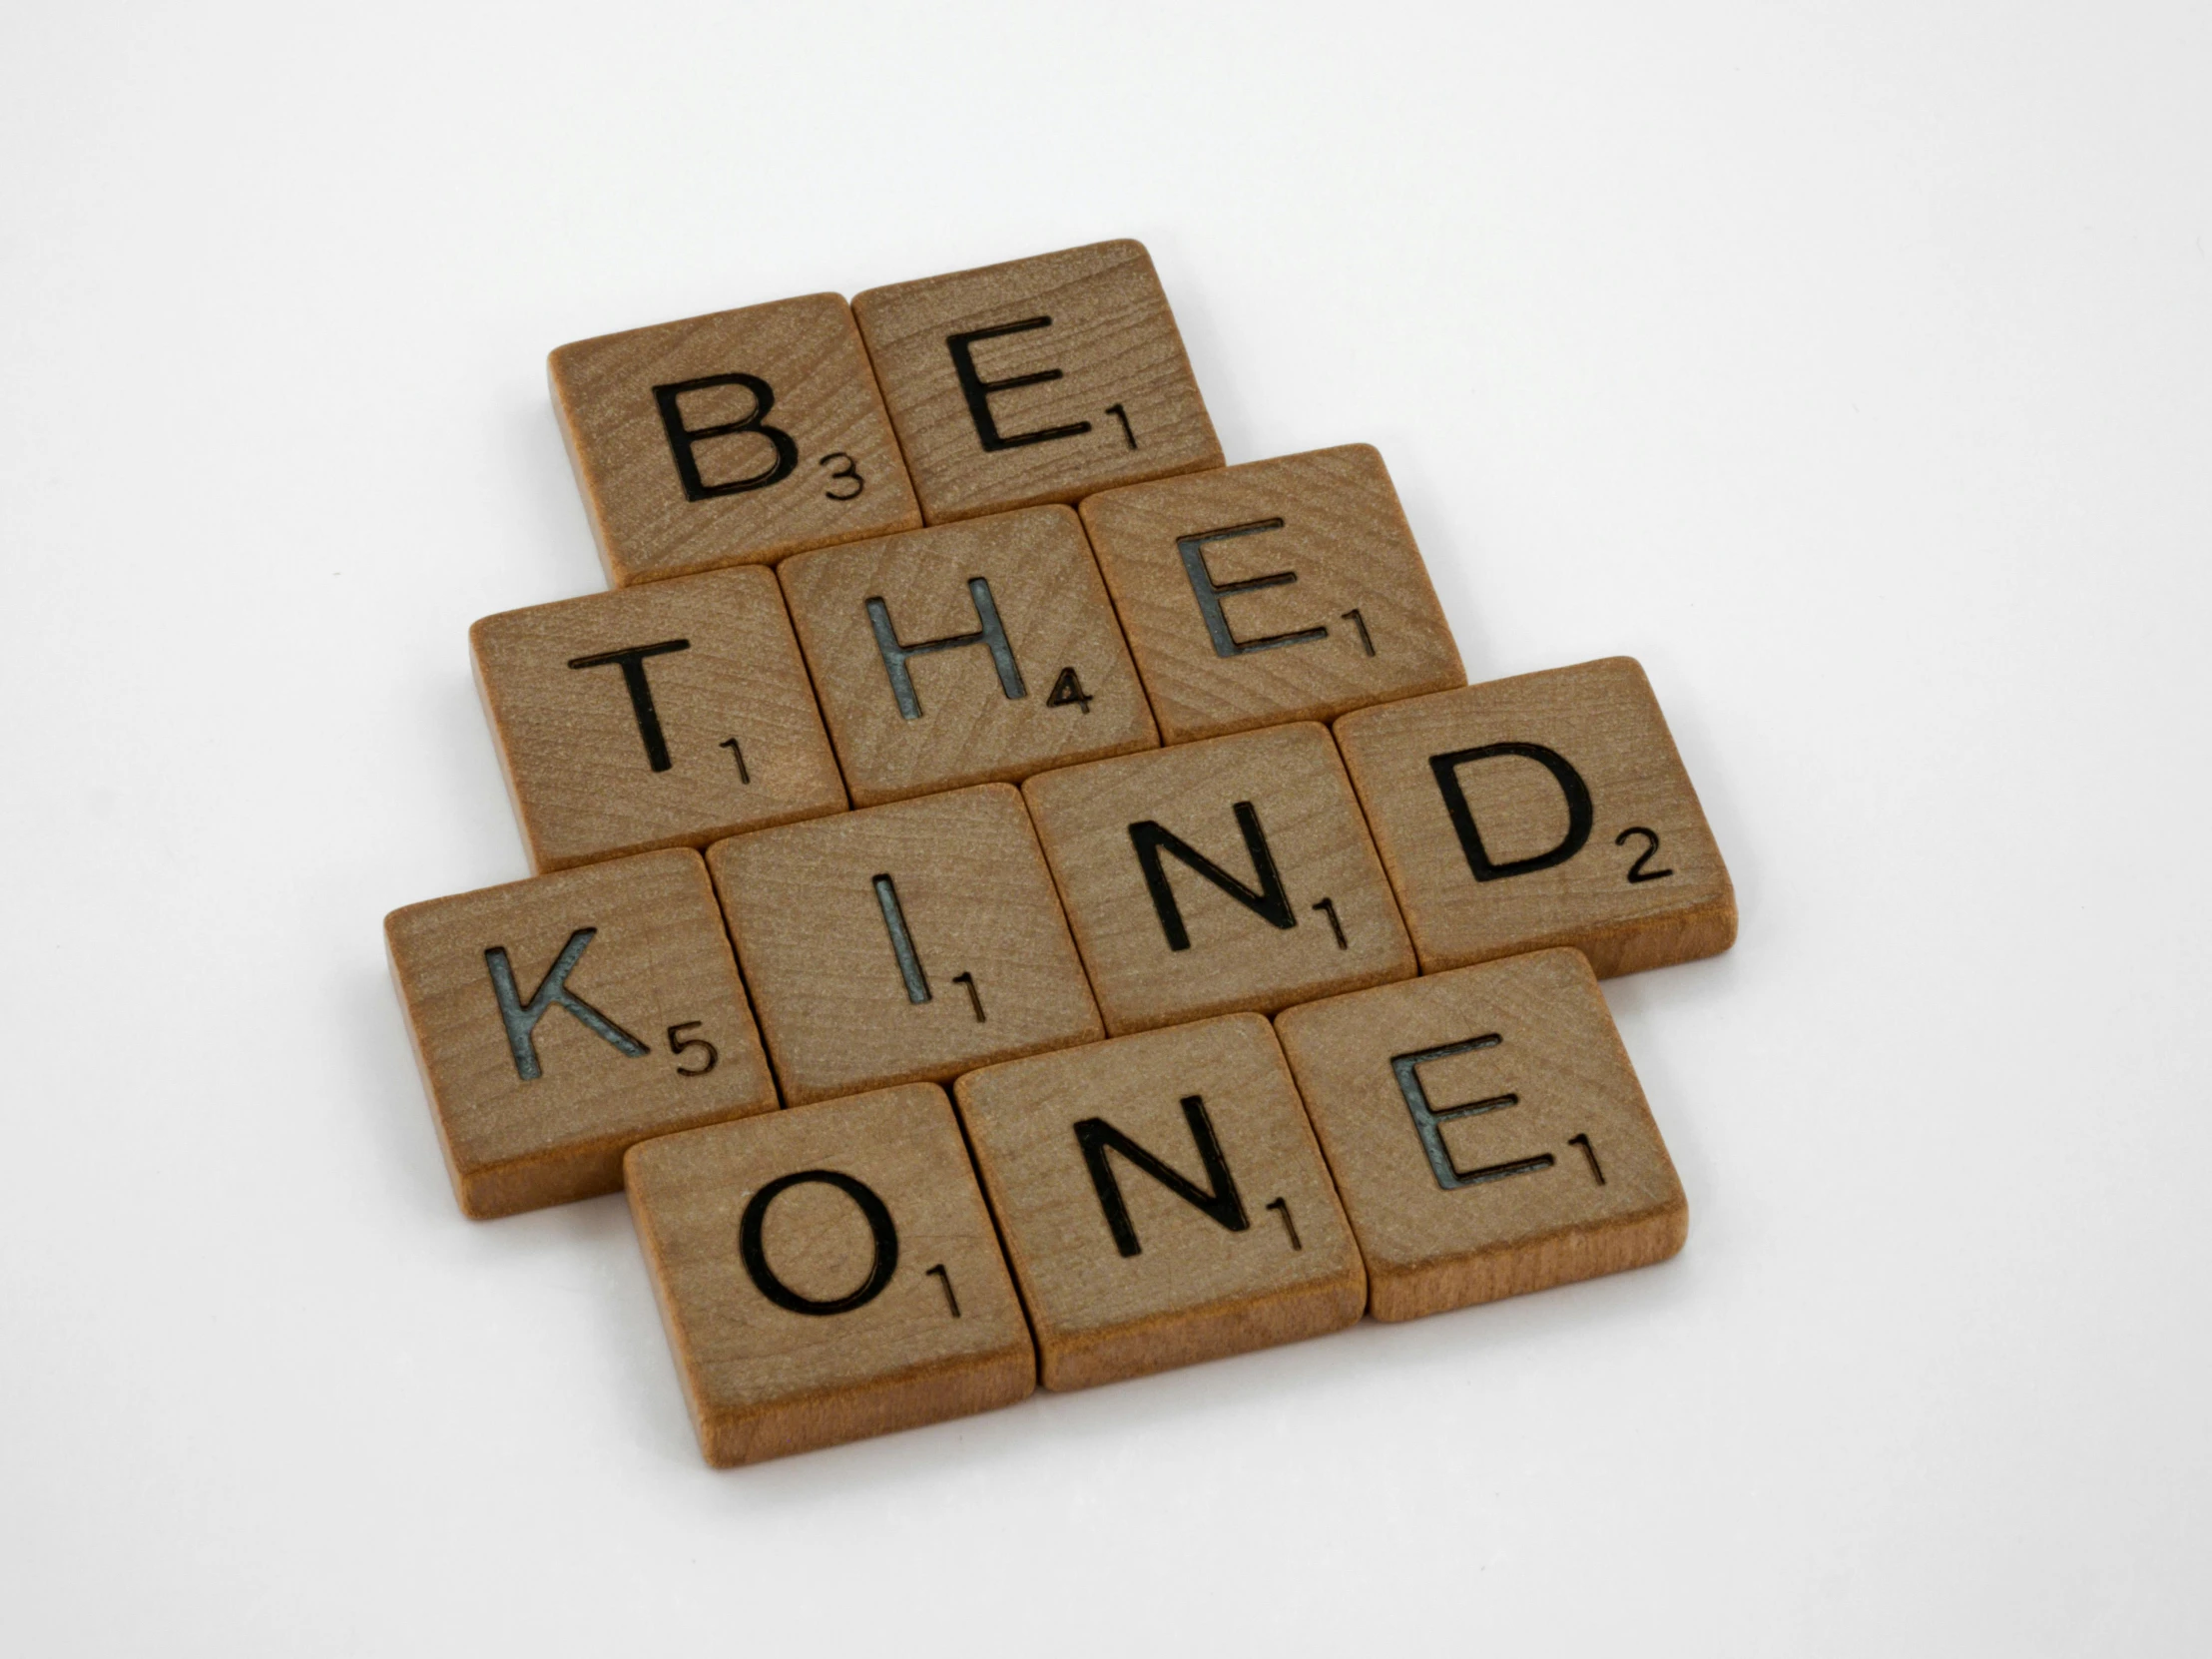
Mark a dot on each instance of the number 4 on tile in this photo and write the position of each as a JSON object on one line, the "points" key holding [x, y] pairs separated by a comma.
{"points": [[1068, 689]]}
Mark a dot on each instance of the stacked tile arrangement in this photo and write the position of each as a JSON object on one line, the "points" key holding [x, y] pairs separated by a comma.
{"points": [[958, 718]]}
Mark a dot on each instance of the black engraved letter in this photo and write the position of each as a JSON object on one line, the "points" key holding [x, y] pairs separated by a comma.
{"points": [[521, 1019], [1271, 902], [992, 634], [1218, 1198], [681, 438], [881, 1230], [1209, 593], [632, 664], [1427, 1121], [1579, 811], [978, 391]]}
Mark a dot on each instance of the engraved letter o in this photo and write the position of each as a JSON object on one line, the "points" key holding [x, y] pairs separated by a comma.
{"points": [[879, 1225]]}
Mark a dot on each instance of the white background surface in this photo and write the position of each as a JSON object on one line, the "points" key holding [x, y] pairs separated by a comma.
{"points": [[1851, 366]]}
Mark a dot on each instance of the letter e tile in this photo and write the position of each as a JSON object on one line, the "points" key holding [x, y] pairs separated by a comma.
{"points": [[1280, 589], [1162, 1201], [827, 1273], [560, 1019], [1487, 1132], [1043, 379]]}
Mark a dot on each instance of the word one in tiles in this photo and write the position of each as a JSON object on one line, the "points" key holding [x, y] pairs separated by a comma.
{"points": [[1023, 902]]}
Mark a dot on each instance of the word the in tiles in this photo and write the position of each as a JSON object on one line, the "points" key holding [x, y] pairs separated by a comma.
{"points": [[1043, 379], [1487, 1132], [735, 438], [957, 714], [969, 653], [673, 714], [561, 1019], [1234, 874], [1276, 591], [1162, 1201], [901, 943], [1547, 810], [827, 1273]]}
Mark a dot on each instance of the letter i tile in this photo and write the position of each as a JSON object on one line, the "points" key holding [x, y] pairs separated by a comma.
{"points": [[560, 1019], [1162, 1201], [827, 1274]]}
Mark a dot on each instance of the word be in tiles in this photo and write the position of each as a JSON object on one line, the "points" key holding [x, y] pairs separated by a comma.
{"points": [[958, 925]]}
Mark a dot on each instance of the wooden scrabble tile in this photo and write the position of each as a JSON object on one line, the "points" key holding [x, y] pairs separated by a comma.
{"points": [[967, 654], [827, 1273], [902, 944], [1546, 810], [1038, 380], [1280, 589], [1162, 1201], [1487, 1132], [1234, 874], [668, 715], [560, 1019], [728, 439]]}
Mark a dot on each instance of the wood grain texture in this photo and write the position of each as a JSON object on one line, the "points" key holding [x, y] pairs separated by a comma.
{"points": [[1054, 622], [1236, 958], [656, 957], [1342, 614], [973, 897], [1270, 1259], [823, 401], [1111, 342], [934, 1329], [593, 775], [1552, 875], [1553, 1083]]}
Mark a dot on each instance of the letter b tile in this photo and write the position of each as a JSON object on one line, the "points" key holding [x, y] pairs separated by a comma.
{"points": [[1042, 379], [1162, 1201], [1280, 589], [1487, 1132], [560, 1019], [728, 439], [827, 1274], [1546, 810]]}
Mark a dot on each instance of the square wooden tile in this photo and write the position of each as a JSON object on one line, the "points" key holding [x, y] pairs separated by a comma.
{"points": [[1487, 1132], [729, 439], [1276, 591], [1234, 874], [969, 653], [1546, 810], [1162, 1201], [902, 944], [668, 715], [1042, 379], [560, 1019], [827, 1273]]}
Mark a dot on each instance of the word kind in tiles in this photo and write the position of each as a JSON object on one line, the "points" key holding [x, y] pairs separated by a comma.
{"points": [[1022, 901]]}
